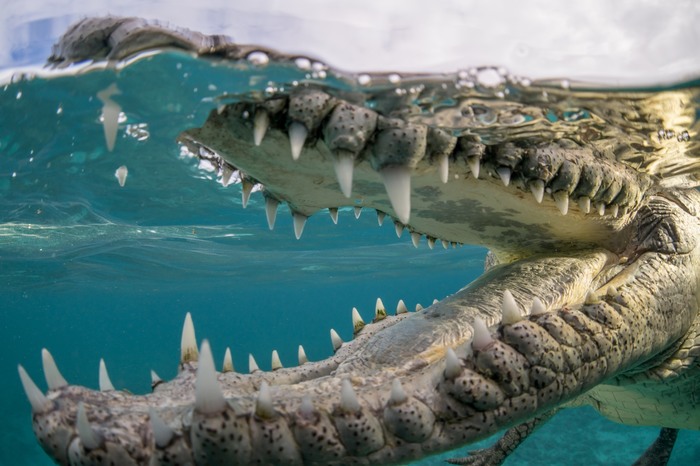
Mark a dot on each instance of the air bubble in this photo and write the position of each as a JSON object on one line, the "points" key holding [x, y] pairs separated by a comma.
{"points": [[258, 58], [394, 78], [59, 110], [364, 79], [19, 95], [489, 77], [565, 84], [303, 63]]}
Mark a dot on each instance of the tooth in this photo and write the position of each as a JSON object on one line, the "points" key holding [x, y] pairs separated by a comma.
{"points": [[155, 379], [538, 307], [431, 242], [228, 361], [162, 433], [510, 310], [612, 291], [110, 114], [444, 168], [482, 336], [600, 206], [419, 307], [399, 228], [379, 310], [344, 163], [584, 203], [54, 379], [380, 217], [276, 362], [357, 322], [473, 163], [401, 307], [105, 382], [435, 301], [246, 189], [615, 210], [121, 174], [415, 238], [299, 222], [252, 365], [397, 181], [591, 298], [271, 211], [561, 199], [36, 398], [302, 356], [263, 404], [333, 211], [537, 188], [358, 211], [398, 395], [297, 136], [336, 340], [226, 175], [348, 399], [88, 437], [208, 398], [504, 173], [623, 211], [260, 124], [188, 343], [306, 408], [445, 244], [452, 365]]}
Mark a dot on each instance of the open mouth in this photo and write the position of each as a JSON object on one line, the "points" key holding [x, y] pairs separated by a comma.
{"points": [[593, 282]]}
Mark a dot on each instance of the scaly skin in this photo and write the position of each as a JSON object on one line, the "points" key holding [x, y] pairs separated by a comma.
{"points": [[606, 306]]}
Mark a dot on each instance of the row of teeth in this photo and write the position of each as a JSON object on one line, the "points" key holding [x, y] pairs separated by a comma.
{"points": [[208, 395]]}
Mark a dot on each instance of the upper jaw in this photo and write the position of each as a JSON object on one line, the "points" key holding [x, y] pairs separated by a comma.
{"points": [[516, 198]]}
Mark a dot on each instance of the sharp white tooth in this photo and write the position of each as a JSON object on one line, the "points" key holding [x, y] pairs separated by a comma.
{"points": [[615, 210], [474, 166], [297, 137], [252, 365], [105, 382], [121, 174], [188, 343], [431, 242], [379, 310], [357, 322], [333, 211], [444, 168], [591, 298], [452, 365], [348, 399], [612, 292], [155, 379], [336, 341], [399, 229], [509, 309], [110, 114], [299, 222], [600, 206], [397, 181], [54, 379], [537, 188], [584, 203], [419, 307], [435, 301], [276, 361], [228, 361], [401, 307], [306, 408], [482, 336], [36, 398], [415, 238], [538, 307], [504, 173], [208, 398], [88, 437], [358, 211], [263, 404], [162, 433], [445, 244], [344, 165], [246, 189], [380, 217], [561, 199], [302, 356], [226, 174], [271, 211], [398, 395], [260, 124]]}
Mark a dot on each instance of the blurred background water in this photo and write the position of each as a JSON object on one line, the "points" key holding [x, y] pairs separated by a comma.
{"points": [[89, 269]]}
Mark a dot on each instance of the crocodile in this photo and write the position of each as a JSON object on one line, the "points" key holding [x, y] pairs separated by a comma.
{"points": [[591, 294]]}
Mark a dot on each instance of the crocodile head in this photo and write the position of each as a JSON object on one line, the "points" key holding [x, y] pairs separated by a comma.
{"points": [[592, 293]]}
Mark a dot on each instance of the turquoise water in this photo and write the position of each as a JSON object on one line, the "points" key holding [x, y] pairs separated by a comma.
{"points": [[89, 269]]}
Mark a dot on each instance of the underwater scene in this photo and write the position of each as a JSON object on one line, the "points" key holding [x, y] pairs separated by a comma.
{"points": [[118, 217]]}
